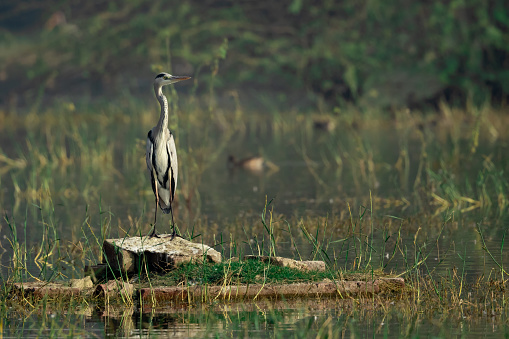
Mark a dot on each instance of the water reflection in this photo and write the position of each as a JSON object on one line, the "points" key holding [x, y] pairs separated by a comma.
{"points": [[290, 318], [301, 319]]}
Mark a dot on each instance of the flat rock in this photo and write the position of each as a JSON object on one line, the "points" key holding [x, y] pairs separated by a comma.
{"points": [[116, 288], [131, 254], [309, 265], [53, 290], [339, 289]]}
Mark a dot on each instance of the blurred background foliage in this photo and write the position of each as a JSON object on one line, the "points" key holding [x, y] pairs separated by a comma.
{"points": [[370, 52]]}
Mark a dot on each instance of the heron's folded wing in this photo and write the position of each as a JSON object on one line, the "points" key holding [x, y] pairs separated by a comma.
{"points": [[150, 151], [172, 151]]}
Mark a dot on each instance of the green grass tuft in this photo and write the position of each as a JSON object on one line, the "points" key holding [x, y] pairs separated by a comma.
{"points": [[236, 273]]}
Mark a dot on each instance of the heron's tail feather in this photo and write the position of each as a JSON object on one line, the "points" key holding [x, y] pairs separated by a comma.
{"points": [[165, 208]]}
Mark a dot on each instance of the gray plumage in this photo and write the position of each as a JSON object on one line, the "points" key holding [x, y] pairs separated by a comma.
{"points": [[161, 153]]}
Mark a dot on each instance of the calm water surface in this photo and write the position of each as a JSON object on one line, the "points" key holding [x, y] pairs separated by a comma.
{"points": [[319, 175], [263, 322]]}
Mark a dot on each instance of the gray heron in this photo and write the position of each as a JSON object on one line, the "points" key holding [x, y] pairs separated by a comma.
{"points": [[161, 153]]}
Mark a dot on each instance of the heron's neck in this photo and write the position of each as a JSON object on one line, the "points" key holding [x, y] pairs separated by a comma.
{"points": [[163, 119]]}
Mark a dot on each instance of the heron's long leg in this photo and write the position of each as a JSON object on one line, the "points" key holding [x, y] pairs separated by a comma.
{"points": [[172, 224], [153, 233], [157, 203]]}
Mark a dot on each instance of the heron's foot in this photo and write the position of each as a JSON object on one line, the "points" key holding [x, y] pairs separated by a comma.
{"points": [[171, 236], [153, 234], [174, 234]]}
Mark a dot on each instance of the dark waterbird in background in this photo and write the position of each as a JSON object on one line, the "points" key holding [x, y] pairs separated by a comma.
{"points": [[324, 125], [162, 154]]}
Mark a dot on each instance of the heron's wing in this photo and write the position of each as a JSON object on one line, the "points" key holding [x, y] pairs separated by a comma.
{"points": [[149, 157], [173, 168], [150, 151]]}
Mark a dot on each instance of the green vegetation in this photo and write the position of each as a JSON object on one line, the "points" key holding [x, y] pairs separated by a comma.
{"points": [[236, 273], [368, 52]]}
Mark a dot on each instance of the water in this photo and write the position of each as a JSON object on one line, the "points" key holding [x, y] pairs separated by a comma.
{"points": [[59, 191], [258, 320]]}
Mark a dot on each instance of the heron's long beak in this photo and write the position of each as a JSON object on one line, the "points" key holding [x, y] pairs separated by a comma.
{"points": [[176, 78]]}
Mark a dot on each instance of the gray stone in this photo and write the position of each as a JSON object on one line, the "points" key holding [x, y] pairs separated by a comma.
{"points": [[130, 254], [309, 265]]}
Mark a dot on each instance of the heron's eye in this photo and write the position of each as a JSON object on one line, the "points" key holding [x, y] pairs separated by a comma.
{"points": [[166, 77]]}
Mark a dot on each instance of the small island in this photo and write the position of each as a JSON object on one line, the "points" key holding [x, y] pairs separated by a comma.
{"points": [[154, 270]]}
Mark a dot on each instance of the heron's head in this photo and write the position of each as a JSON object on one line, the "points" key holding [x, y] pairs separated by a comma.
{"points": [[163, 79]]}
